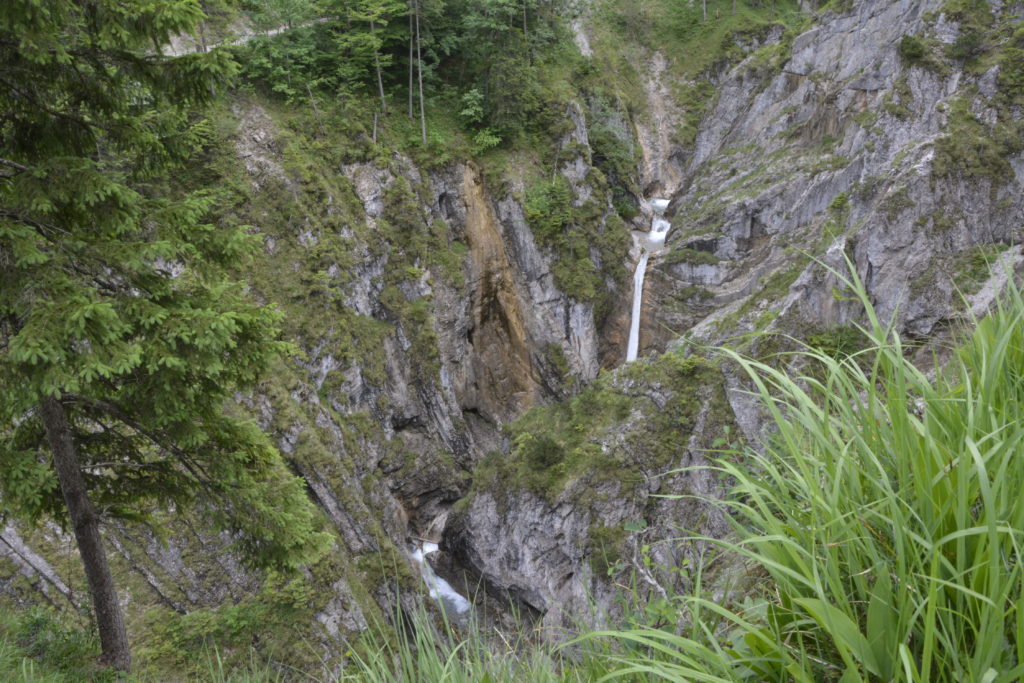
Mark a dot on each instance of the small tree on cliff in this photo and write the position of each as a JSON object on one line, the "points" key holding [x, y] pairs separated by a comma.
{"points": [[122, 337]]}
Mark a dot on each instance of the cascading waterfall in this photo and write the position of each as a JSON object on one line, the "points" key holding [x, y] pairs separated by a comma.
{"points": [[439, 589], [655, 240]]}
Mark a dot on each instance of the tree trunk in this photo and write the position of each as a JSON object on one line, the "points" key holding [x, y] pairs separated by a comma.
{"points": [[734, 8], [419, 65], [410, 60], [86, 525], [704, 7], [526, 36], [376, 64], [316, 112]]}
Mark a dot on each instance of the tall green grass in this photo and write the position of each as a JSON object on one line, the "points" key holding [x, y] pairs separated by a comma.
{"points": [[886, 511], [435, 650]]}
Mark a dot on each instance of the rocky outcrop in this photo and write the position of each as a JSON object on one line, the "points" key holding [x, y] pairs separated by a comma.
{"points": [[427, 316], [501, 352], [846, 150], [839, 147], [557, 523], [664, 159]]}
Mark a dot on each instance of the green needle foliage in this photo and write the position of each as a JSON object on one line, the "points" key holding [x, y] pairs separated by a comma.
{"points": [[116, 305], [887, 512]]}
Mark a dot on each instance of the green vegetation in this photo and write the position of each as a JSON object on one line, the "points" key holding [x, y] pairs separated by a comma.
{"points": [[616, 156], [437, 651], [912, 49], [125, 336], [895, 203], [898, 101], [36, 646], [839, 214], [693, 42], [484, 60], [557, 448], [972, 149], [923, 52], [885, 511], [838, 342], [972, 268], [281, 607], [975, 18], [692, 256], [582, 237]]}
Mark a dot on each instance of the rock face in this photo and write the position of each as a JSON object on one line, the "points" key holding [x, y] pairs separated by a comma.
{"points": [[500, 349], [663, 167], [470, 330], [430, 315], [557, 536], [427, 316], [846, 151], [849, 144]]}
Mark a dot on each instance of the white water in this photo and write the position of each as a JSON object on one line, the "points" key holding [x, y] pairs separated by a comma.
{"points": [[654, 241], [439, 589]]}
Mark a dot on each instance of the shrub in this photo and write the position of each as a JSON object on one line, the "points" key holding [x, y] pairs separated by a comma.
{"points": [[912, 49], [968, 45]]}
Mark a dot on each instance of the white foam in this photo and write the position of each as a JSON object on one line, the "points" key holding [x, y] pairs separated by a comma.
{"points": [[659, 205], [654, 241], [438, 588], [638, 293]]}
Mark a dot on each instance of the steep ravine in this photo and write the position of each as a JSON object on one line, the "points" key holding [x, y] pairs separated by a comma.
{"points": [[427, 315], [449, 389], [843, 147]]}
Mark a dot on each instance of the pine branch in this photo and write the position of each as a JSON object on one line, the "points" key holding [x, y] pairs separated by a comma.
{"points": [[14, 164], [42, 229], [160, 441]]}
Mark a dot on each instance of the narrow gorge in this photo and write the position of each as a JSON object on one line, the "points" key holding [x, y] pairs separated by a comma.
{"points": [[485, 412]]}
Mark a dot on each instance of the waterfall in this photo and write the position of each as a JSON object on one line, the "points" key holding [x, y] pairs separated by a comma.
{"points": [[440, 589], [655, 240]]}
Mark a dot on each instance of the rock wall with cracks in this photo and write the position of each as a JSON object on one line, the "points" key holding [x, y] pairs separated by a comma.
{"points": [[843, 149], [413, 356]]}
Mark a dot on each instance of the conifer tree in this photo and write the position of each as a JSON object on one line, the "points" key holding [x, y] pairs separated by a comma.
{"points": [[123, 339]]}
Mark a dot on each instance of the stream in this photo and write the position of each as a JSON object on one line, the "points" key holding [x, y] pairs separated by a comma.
{"points": [[440, 590], [655, 239]]}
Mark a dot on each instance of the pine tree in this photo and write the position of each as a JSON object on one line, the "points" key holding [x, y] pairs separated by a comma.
{"points": [[122, 337], [365, 40]]}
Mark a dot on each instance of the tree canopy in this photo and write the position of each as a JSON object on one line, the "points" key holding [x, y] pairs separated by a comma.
{"points": [[464, 46], [123, 336]]}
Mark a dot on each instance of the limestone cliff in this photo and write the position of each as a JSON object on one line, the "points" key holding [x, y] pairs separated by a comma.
{"points": [[435, 303], [837, 140]]}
